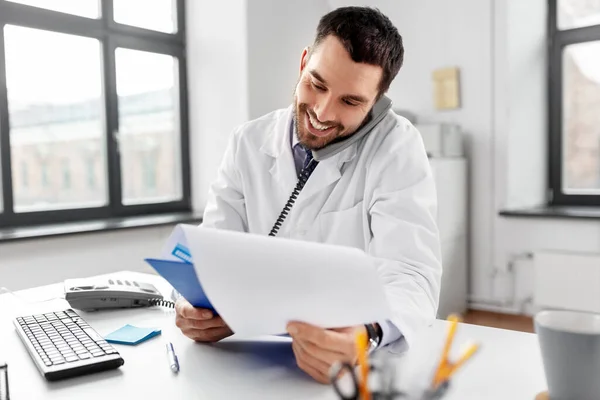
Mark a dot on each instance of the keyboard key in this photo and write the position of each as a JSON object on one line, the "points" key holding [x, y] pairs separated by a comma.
{"points": [[48, 363], [71, 358], [110, 351], [92, 334], [84, 356], [97, 353]]}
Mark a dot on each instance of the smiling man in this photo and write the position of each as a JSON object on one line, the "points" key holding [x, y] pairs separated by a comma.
{"points": [[368, 185]]}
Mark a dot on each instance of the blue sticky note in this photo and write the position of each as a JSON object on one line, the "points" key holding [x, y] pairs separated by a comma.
{"points": [[132, 335]]}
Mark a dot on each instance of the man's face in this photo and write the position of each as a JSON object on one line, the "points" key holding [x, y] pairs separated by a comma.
{"points": [[334, 94]]}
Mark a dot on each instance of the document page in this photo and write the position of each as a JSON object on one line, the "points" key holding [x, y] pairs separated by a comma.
{"points": [[259, 283]]}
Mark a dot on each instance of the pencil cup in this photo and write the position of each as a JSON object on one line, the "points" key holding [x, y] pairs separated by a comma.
{"points": [[570, 346]]}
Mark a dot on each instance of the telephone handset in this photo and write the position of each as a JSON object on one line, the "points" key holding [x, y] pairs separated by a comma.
{"points": [[377, 113]]}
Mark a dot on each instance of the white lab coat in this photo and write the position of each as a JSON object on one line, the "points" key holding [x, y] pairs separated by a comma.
{"points": [[377, 195]]}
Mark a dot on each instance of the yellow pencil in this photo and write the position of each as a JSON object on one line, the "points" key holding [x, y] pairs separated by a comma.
{"points": [[361, 348]]}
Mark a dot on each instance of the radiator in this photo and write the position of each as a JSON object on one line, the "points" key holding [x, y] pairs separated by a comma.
{"points": [[567, 280]]}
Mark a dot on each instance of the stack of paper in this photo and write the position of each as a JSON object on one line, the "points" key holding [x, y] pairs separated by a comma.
{"points": [[257, 284]]}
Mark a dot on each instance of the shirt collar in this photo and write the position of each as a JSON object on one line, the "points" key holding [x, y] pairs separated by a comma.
{"points": [[294, 137]]}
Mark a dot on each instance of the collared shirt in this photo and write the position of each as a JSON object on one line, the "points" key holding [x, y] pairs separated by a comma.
{"points": [[298, 151], [389, 331]]}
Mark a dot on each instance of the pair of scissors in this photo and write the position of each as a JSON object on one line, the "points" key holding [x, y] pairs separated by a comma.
{"points": [[338, 370], [387, 392]]}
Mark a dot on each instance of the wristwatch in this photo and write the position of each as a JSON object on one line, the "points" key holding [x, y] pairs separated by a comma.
{"points": [[374, 334]]}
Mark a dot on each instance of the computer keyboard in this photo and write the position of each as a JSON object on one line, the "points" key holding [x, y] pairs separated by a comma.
{"points": [[63, 345]]}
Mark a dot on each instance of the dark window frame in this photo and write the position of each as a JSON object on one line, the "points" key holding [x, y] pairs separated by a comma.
{"points": [[111, 35], [558, 40]]}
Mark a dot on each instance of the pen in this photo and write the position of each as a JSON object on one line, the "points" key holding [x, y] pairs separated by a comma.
{"points": [[4, 395], [173, 362]]}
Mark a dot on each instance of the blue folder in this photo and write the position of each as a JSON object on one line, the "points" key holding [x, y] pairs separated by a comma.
{"points": [[182, 276]]}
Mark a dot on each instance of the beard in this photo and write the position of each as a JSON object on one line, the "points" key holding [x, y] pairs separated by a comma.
{"points": [[311, 141], [305, 137]]}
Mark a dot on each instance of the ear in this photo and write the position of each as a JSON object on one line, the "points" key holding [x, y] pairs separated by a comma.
{"points": [[304, 58]]}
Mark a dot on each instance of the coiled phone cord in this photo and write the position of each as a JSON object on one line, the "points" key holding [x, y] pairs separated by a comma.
{"points": [[304, 175], [162, 303]]}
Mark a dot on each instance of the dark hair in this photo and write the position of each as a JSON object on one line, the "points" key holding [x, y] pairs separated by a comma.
{"points": [[368, 36]]}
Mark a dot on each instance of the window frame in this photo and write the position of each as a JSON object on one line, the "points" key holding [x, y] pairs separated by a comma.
{"points": [[558, 40], [111, 35]]}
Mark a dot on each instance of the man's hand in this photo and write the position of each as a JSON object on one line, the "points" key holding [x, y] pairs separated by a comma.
{"points": [[200, 324], [317, 349]]}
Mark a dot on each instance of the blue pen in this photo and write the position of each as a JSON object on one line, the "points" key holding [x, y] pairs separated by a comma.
{"points": [[173, 362]]}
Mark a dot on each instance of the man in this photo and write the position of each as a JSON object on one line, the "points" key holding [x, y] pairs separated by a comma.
{"points": [[376, 194]]}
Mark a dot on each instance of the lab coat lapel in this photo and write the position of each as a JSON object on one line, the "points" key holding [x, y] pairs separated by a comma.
{"points": [[327, 173], [277, 145]]}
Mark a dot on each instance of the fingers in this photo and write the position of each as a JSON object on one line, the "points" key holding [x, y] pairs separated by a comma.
{"points": [[186, 310], [317, 369], [185, 323], [200, 324], [325, 357], [207, 335], [339, 342]]}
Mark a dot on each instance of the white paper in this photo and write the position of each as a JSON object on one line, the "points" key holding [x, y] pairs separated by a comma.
{"points": [[176, 237], [259, 283]]}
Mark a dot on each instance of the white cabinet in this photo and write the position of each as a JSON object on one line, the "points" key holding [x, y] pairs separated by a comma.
{"points": [[451, 184]]}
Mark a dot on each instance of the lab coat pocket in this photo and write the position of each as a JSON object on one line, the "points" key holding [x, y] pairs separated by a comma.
{"points": [[344, 227]]}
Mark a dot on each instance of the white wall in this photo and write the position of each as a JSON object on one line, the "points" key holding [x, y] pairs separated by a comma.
{"points": [[217, 63], [278, 31], [38, 262]]}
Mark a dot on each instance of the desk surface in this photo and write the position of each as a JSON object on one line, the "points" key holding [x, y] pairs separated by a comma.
{"points": [[508, 366]]}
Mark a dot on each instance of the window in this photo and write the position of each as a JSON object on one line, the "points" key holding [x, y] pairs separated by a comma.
{"points": [[66, 175], [84, 8], [92, 86], [24, 175], [148, 123], [90, 165], [44, 179], [162, 16], [574, 88], [149, 172], [52, 110]]}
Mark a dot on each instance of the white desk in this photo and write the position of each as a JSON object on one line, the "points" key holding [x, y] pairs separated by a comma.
{"points": [[507, 367]]}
